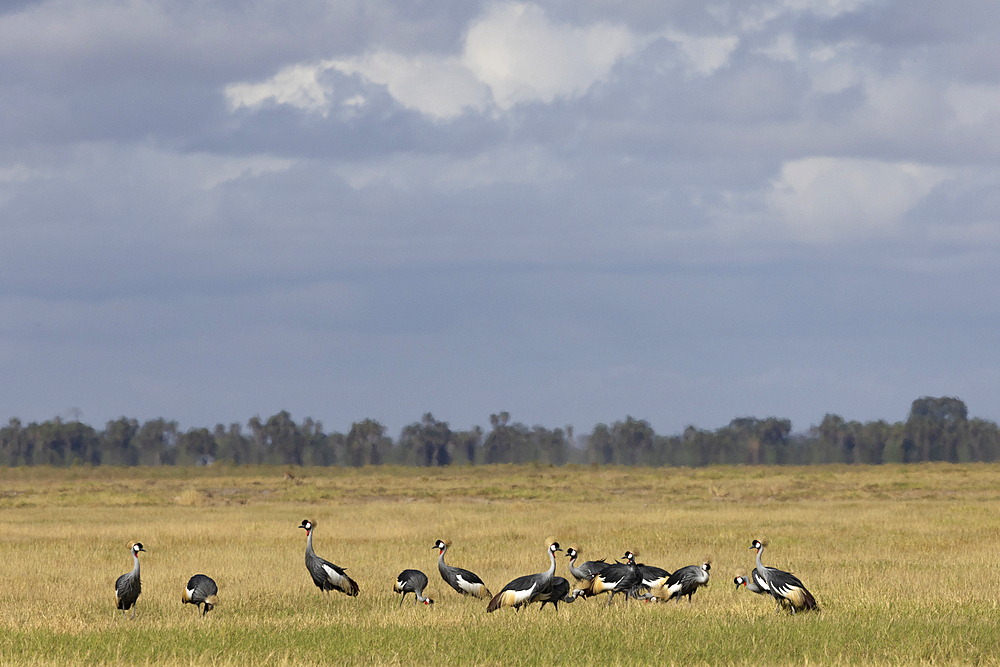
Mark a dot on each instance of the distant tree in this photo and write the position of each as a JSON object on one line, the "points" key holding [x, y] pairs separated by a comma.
{"points": [[231, 444], [509, 443], [467, 444], [157, 443], [986, 438], [600, 448], [366, 444], [57, 443], [14, 444], [939, 429], [425, 443], [319, 449], [285, 442], [633, 440], [197, 446], [551, 447], [117, 442]]}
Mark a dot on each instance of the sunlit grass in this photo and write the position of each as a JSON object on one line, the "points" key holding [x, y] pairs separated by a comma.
{"points": [[901, 559]]}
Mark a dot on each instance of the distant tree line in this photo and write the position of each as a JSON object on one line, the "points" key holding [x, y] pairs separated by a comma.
{"points": [[937, 429]]}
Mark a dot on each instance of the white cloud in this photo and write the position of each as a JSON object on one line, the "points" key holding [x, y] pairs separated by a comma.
{"points": [[705, 54], [441, 87], [522, 56], [828, 199], [296, 86], [512, 54]]}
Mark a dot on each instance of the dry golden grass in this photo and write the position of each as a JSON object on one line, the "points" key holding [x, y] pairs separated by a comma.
{"points": [[901, 559]]}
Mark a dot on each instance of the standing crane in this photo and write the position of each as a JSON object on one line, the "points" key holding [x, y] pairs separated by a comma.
{"points": [[412, 581], [525, 590], [684, 581], [780, 584], [327, 576], [558, 592], [649, 576], [201, 589], [586, 570], [128, 586], [615, 578], [463, 581]]}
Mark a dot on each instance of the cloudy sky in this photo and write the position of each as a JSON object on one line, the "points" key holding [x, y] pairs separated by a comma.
{"points": [[683, 211]]}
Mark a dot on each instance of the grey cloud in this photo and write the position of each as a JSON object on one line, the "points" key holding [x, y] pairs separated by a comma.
{"points": [[609, 253]]}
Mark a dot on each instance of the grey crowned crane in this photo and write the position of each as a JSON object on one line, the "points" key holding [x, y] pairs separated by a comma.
{"points": [[558, 592], [684, 581], [201, 589], [780, 584], [128, 586], [649, 576], [525, 590], [615, 578], [587, 570], [412, 581], [326, 575], [463, 581], [749, 584]]}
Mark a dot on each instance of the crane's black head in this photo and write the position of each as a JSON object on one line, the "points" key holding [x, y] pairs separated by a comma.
{"points": [[554, 547], [757, 544], [308, 525], [706, 566], [630, 557], [740, 581], [571, 553], [136, 548], [428, 601], [441, 545]]}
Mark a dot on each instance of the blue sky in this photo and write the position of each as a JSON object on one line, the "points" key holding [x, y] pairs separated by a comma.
{"points": [[681, 211]]}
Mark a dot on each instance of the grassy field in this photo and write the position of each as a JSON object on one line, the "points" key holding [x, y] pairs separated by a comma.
{"points": [[903, 560]]}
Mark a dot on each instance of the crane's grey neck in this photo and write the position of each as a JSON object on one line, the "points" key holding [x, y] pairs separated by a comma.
{"points": [[309, 542], [441, 555], [760, 565], [552, 564], [135, 568]]}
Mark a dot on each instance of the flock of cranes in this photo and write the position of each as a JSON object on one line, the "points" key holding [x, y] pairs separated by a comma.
{"points": [[633, 580]]}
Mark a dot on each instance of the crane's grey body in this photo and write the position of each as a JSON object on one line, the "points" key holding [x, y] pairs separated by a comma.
{"points": [[525, 590], [616, 578], [684, 581], [781, 585], [650, 574], [201, 589], [412, 581], [586, 570], [128, 586], [463, 581], [558, 592], [327, 576]]}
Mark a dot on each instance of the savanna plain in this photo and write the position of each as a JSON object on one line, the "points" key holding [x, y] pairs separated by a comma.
{"points": [[903, 560]]}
